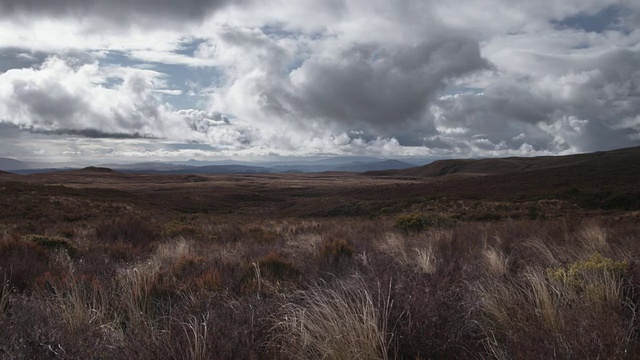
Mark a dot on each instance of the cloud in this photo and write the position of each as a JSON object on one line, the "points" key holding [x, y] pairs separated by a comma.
{"points": [[66, 98], [244, 78], [343, 79], [148, 13], [580, 110]]}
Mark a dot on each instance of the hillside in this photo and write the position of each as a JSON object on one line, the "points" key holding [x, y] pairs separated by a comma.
{"points": [[376, 166], [600, 162]]}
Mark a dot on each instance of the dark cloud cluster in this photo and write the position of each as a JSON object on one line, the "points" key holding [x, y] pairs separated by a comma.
{"points": [[379, 88], [310, 77], [123, 12], [581, 109]]}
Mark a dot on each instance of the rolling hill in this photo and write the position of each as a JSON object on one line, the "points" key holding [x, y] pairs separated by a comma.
{"points": [[620, 160]]}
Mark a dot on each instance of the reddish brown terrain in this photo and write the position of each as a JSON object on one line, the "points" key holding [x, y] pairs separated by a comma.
{"points": [[498, 258]]}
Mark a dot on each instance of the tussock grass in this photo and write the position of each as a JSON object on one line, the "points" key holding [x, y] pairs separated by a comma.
{"points": [[77, 301], [547, 252], [195, 332], [548, 301], [540, 298], [426, 259], [495, 261], [135, 286], [5, 293], [239, 288], [593, 237], [394, 244], [418, 252], [342, 321]]}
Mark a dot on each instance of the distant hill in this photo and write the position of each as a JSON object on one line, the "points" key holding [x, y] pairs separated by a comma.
{"points": [[7, 164], [149, 166], [375, 166], [97, 169], [184, 169], [604, 179], [620, 159], [223, 169]]}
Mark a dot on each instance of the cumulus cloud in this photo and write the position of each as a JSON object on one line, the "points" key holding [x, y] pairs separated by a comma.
{"points": [[455, 78], [62, 98], [578, 109]]}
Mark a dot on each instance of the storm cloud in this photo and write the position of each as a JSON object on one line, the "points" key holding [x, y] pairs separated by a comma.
{"points": [[122, 12], [394, 78]]}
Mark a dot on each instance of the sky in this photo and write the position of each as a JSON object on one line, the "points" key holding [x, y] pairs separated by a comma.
{"points": [[148, 80]]}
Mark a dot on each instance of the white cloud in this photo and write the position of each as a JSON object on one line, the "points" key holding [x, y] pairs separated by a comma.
{"points": [[342, 76]]}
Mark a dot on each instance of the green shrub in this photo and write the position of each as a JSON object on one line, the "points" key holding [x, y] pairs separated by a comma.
{"points": [[578, 271], [418, 222], [53, 243], [177, 228]]}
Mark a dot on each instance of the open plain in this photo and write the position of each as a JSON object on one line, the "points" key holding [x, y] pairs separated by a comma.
{"points": [[497, 258]]}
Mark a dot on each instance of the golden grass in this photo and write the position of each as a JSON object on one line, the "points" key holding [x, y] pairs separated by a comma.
{"points": [[78, 302], [394, 245], [594, 237], [541, 298], [335, 322], [495, 261]]}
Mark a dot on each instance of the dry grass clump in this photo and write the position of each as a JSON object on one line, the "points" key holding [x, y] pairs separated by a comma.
{"points": [[194, 331], [341, 321], [77, 300], [302, 245], [593, 237], [547, 303], [5, 292], [419, 252], [495, 261], [208, 286], [597, 280]]}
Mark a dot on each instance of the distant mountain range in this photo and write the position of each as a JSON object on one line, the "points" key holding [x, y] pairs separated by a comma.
{"points": [[348, 164], [621, 160], [7, 164]]}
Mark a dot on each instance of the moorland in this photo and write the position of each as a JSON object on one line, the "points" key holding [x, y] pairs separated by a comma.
{"points": [[513, 258]]}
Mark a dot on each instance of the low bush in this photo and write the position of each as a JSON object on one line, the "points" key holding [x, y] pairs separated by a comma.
{"points": [[419, 222], [53, 243], [134, 230], [335, 250], [275, 267]]}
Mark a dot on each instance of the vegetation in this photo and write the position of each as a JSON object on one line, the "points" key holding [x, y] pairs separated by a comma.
{"points": [[122, 277]]}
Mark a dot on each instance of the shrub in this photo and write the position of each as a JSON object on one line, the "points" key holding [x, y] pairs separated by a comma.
{"points": [[177, 228], [24, 262], [597, 280], [128, 230], [335, 250], [274, 267], [418, 222], [53, 243]]}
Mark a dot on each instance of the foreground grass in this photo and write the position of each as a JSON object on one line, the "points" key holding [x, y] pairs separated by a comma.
{"points": [[203, 287]]}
